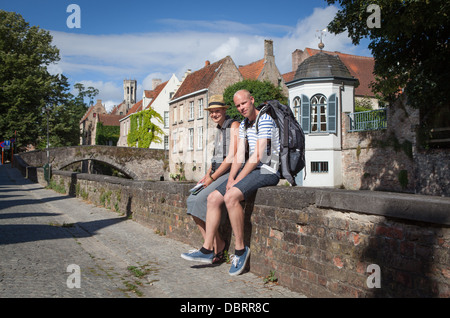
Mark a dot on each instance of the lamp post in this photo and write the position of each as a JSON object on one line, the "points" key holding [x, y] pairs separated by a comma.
{"points": [[47, 166]]}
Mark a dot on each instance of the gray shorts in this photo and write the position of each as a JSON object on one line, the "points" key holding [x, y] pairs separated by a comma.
{"points": [[196, 204], [256, 179]]}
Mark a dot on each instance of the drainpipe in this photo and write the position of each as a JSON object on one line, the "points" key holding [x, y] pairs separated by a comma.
{"points": [[341, 89], [205, 153]]}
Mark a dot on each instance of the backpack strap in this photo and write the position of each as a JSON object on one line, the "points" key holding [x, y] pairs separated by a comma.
{"points": [[226, 124]]}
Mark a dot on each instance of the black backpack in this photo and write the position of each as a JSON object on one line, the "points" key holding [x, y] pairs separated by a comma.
{"points": [[292, 139]]}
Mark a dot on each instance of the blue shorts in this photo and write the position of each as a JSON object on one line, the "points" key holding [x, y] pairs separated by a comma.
{"points": [[256, 179]]}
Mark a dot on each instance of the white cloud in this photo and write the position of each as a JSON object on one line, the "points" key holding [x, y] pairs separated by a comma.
{"points": [[306, 35], [110, 93], [109, 105], [145, 56]]}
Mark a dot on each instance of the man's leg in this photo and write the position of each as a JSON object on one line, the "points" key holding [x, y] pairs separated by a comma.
{"points": [[233, 199], [213, 241], [213, 217], [200, 224]]}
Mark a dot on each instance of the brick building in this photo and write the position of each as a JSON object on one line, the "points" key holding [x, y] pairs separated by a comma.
{"points": [[88, 123], [265, 69], [191, 130]]}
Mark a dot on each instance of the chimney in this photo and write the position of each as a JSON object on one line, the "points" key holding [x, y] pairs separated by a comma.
{"points": [[268, 48], [186, 74], [207, 63], [296, 59], [155, 83]]}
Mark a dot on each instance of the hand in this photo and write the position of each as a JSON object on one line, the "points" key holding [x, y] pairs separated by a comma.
{"points": [[207, 181], [231, 183], [202, 180]]}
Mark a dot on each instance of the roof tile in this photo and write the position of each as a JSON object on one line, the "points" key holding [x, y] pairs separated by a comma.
{"points": [[200, 79], [360, 67], [253, 70]]}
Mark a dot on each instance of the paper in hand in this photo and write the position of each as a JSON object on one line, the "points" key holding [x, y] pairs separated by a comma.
{"points": [[197, 189]]}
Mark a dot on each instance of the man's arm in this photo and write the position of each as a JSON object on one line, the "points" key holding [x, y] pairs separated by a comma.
{"points": [[232, 148], [250, 165]]}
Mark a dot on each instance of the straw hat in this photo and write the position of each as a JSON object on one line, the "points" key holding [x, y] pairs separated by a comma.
{"points": [[216, 101]]}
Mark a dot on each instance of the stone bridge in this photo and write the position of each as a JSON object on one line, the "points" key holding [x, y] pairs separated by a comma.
{"points": [[136, 163]]}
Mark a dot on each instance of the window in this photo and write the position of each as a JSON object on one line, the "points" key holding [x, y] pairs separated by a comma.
{"points": [[200, 138], [319, 166], [181, 115], [175, 117], [174, 140], [296, 108], [318, 114], [166, 119], [166, 142], [191, 110], [200, 108], [191, 139]]}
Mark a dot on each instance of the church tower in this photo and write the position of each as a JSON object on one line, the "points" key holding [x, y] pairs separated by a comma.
{"points": [[129, 92]]}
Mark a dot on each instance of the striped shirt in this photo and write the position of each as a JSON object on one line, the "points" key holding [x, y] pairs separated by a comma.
{"points": [[267, 129]]}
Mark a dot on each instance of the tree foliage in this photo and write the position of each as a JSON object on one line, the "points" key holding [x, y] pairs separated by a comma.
{"points": [[26, 86], [29, 94], [411, 49], [261, 91]]}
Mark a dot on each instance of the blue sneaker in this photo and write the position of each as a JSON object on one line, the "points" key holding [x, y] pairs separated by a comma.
{"points": [[238, 263], [198, 256]]}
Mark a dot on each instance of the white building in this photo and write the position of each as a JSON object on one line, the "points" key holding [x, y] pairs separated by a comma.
{"points": [[321, 91], [158, 98]]}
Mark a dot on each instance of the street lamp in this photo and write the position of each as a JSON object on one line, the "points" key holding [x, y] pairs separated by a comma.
{"points": [[47, 166]]}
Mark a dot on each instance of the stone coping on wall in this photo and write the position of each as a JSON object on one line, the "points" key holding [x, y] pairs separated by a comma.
{"points": [[412, 207]]}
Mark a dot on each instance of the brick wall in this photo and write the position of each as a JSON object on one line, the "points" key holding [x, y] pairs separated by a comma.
{"points": [[319, 242]]}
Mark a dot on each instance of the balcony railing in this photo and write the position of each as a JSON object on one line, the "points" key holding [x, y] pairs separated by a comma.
{"points": [[368, 120]]}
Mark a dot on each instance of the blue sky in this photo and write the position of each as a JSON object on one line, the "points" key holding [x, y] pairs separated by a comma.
{"points": [[144, 40]]}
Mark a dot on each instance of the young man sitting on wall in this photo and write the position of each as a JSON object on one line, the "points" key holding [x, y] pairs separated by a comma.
{"points": [[246, 177]]}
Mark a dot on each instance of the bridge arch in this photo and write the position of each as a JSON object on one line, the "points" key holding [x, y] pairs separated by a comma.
{"points": [[111, 163], [137, 163]]}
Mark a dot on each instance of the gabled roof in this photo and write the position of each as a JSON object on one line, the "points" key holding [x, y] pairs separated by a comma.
{"points": [[91, 109], [360, 67], [139, 106], [116, 109], [253, 70], [200, 79], [288, 76], [135, 108], [155, 93], [86, 115], [109, 120]]}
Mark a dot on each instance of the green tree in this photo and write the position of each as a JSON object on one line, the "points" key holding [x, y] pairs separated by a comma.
{"points": [[261, 91], [29, 94], [26, 86], [411, 50], [90, 93], [64, 115], [143, 131]]}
